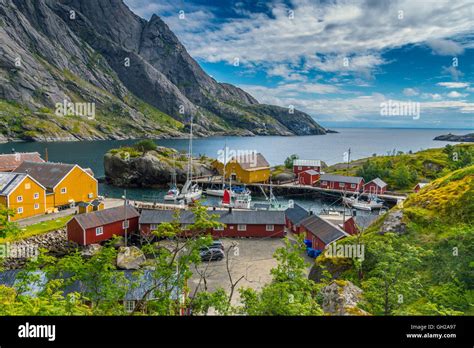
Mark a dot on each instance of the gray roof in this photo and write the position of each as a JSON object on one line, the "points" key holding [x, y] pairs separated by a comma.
{"points": [[341, 178], [48, 174], [323, 229], [296, 214], [244, 217], [105, 217], [307, 163], [379, 182], [8, 182]]}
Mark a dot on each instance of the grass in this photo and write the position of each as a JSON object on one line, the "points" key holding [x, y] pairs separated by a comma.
{"points": [[39, 228]]}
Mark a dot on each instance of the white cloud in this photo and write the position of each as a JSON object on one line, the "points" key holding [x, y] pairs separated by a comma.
{"points": [[453, 84], [445, 47], [455, 94], [410, 92]]}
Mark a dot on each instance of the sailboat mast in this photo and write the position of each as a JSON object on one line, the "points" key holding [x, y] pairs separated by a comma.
{"points": [[190, 165], [225, 163]]}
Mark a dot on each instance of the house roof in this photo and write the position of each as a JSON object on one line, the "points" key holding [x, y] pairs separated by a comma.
{"points": [[244, 217], [8, 162], [296, 214], [422, 184], [307, 163], [49, 174], [105, 217], [311, 172], [341, 178], [379, 182], [323, 229], [250, 163], [8, 182]]}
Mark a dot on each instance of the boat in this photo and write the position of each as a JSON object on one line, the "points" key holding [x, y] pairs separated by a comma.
{"points": [[271, 202], [242, 201], [173, 192], [190, 192], [372, 203]]}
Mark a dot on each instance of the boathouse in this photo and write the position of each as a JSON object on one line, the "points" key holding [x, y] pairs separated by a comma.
{"points": [[293, 217], [237, 223], [341, 182], [98, 226], [9, 162], [376, 186], [308, 177], [245, 169], [301, 165], [321, 232]]}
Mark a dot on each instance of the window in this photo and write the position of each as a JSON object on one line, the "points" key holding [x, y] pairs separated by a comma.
{"points": [[36, 195], [99, 231], [353, 185], [342, 184], [19, 199], [126, 224], [20, 210], [241, 227], [63, 190], [90, 195], [270, 228], [220, 228], [129, 306], [27, 186], [37, 206], [153, 227], [300, 167], [324, 182]]}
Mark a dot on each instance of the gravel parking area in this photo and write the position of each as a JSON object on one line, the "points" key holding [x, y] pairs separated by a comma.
{"points": [[250, 258]]}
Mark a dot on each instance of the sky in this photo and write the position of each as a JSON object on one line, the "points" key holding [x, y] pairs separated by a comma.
{"points": [[371, 63]]}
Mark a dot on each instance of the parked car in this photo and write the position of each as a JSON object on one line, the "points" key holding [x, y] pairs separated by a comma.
{"points": [[217, 244], [211, 254]]}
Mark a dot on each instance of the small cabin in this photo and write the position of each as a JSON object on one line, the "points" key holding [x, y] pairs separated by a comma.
{"points": [[301, 165], [321, 232], [293, 217], [419, 186], [341, 182], [376, 186], [308, 177], [88, 207]]}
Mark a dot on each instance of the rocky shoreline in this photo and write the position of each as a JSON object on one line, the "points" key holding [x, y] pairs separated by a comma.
{"points": [[456, 138]]}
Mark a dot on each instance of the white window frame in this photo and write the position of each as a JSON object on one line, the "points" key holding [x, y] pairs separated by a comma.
{"points": [[129, 306], [324, 182], [19, 199], [37, 206], [63, 190], [99, 231], [269, 228], [126, 224], [241, 227], [36, 195], [353, 185], [153, 227], [342, 184], [19, 210], [90, 195], [300, 168], [27, 186]]}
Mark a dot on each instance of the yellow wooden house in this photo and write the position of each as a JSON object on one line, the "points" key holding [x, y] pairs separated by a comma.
{"points": [[245, 169], [66, 184], [21, 193]]}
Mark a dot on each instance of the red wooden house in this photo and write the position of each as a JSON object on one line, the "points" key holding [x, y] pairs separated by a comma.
{"points": [[321, 232], [300, 166], [237, 223], [419, 186], [376, 186], [293, 217], [98, 226], [308, 177], [341, 182]]}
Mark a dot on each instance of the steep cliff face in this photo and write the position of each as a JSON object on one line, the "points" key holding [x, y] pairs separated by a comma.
{"points": [[137, 74]]}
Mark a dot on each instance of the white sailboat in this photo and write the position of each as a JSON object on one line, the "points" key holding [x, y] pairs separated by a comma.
{"points": [[190, 192], [173, 192]]}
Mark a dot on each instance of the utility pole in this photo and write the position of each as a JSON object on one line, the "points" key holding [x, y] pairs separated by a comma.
{"points": [[348, 159], [46, 157], [125, 210]]}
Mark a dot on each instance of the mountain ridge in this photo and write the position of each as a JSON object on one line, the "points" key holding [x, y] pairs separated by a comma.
{"points": [[138, 75]]}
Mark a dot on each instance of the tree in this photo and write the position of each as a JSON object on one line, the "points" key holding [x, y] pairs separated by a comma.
{"points": [[402, 177], [8, 228], [289, 293], [145, 145], [289, 161]]}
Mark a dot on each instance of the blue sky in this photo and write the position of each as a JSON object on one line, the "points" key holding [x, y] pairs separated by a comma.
{"points": [[339, 61]]}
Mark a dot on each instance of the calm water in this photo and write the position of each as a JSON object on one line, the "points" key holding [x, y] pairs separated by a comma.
{"points": [[329, 148]]}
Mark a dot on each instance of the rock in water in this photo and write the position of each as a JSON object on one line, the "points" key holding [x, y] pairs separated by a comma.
{"points": [[341, 298], [130, 258]]}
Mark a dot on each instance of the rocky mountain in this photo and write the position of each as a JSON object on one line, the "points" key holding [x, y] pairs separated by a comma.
{"points": [[92, 69], [457, 138]]}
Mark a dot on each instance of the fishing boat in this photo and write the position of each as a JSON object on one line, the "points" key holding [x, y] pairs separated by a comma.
{"points": [[242, 201], [372, 203], [190, 192], [271, 202]]}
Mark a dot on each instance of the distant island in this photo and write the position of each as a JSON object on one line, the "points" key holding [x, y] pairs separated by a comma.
{"points": [[453, 137]]}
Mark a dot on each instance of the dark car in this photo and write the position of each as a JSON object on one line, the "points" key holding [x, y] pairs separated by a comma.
{"points": [[211, 254], [217, 244]]}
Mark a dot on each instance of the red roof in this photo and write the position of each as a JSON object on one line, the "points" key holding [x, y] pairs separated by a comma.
{"points": [[9, 162]]}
